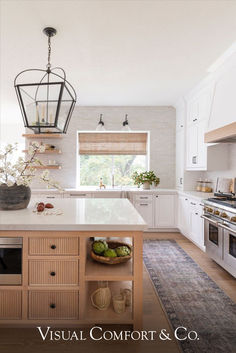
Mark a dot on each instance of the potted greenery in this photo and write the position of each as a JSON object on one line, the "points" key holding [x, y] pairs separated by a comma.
{"points": [[16, 176], [146, 179]]}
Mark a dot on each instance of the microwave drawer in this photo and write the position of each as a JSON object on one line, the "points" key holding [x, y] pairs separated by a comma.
{"points": [[45, 304], [54, 246], [53, 272]]}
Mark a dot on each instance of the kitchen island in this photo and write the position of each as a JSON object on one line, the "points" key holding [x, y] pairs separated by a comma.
{"points": [[58, 274]]}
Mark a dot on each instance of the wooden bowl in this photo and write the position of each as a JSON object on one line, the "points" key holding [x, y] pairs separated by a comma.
{"points": [[112, 260]]}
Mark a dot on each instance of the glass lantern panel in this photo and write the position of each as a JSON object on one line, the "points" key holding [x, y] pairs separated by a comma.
{"points": [[64, 112]]}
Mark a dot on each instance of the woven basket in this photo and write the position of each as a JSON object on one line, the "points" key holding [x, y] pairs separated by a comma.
{"points": [[112, 260]]}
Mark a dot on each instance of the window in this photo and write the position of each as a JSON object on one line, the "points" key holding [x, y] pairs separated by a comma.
{"points": [[102, 155]]}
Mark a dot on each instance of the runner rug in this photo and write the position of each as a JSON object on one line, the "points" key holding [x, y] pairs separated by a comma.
{"points": [[191, 299]]}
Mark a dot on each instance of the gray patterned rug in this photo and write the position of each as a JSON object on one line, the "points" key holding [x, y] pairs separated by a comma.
{"points": [[191, 299]]}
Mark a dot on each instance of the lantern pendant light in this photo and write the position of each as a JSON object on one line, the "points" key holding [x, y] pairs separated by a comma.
{"points": [[48, 99]]}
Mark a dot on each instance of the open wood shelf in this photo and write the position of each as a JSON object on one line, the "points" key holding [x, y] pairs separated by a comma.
{"points": [[108, 316], [47, 167], [42, 136], [46, 152], [97, 271]]}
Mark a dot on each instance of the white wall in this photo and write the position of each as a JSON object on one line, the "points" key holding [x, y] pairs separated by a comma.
{"points": [[160, 121]]}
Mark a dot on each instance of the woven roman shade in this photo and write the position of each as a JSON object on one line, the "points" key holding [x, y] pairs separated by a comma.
{"points": [[113, 143]]}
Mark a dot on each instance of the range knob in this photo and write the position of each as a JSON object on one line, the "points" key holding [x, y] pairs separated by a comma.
{"points": [[216, 212], [209, 209], [224, 215], [233, 219]]}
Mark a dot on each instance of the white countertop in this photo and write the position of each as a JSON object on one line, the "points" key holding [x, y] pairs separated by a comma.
{"points": [[95, 189], [197, 194], [78, 214]]}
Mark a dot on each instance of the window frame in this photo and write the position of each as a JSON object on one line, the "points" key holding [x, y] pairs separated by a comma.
{"points": [[108, 132]]}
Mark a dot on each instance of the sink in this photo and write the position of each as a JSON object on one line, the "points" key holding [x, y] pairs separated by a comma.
{"points": [[116, 188]]}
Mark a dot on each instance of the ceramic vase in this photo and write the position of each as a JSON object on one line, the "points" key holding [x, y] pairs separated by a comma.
{"points": [[101, 298], [14, 197], [146, 185]]}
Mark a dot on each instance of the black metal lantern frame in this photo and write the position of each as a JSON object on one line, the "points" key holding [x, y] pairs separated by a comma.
{"points": [[48, 104]]}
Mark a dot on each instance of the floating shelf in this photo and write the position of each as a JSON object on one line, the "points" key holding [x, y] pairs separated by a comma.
{"points": [[46, 152], [47, 167], [42, 136]]}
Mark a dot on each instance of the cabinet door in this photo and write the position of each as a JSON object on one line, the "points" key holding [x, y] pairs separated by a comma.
{"points": [[193, 111], [146, 211], [183, 214], [107, 195], [201, 146], [165, 211], [79, 195], [179, 159], [192, 146], [196, 224], [180, 119]]}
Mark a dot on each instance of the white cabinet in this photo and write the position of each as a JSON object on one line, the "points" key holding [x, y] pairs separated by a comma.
{"points": [[107, 195], [165, 211], [190, 222], [196, 224], [183, 214], [196, 149], [199, 106], [180, 119], [78, 194], [179, 159], [145, 208], [47, 195]]}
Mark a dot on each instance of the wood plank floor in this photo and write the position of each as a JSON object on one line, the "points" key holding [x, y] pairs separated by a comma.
{"points": [[29, 341]]}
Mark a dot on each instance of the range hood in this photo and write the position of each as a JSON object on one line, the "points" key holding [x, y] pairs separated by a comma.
{"points": [[222, 119], [225, 134]]}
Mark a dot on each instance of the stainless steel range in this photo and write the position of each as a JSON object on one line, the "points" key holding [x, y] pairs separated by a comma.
{"points": [[220, 231]]}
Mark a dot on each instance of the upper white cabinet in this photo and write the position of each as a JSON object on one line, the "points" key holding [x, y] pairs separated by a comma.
{"points": [[165, 211], [179, 159], [200, 156]]}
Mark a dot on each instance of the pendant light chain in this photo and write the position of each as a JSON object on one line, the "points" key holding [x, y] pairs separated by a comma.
{"points": [[49, 53]]}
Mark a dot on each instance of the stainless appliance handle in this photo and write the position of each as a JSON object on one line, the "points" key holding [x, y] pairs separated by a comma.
{"points": [[210, 220], [227, 228], [10, 246]]}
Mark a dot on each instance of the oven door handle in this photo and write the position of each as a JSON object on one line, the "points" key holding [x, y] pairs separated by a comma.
{"points": [[227, 228], [10, 246], [210, 220]]}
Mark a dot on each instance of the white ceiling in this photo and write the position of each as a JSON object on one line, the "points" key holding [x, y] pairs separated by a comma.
{"points": [[118, 52]]}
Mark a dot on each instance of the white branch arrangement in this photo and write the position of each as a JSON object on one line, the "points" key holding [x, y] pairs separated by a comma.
{"points": [[22, 172]]}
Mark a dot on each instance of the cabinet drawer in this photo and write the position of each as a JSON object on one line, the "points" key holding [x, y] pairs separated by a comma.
{"points": [[53, 246], [143, 198], [10, 304], [50, 272], [53, 304]]}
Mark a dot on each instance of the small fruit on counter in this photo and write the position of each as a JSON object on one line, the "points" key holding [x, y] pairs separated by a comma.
{"points": [[110, 253], [40, 207], [99, 246], [40, 204], [123, 250], [49, 205]]}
